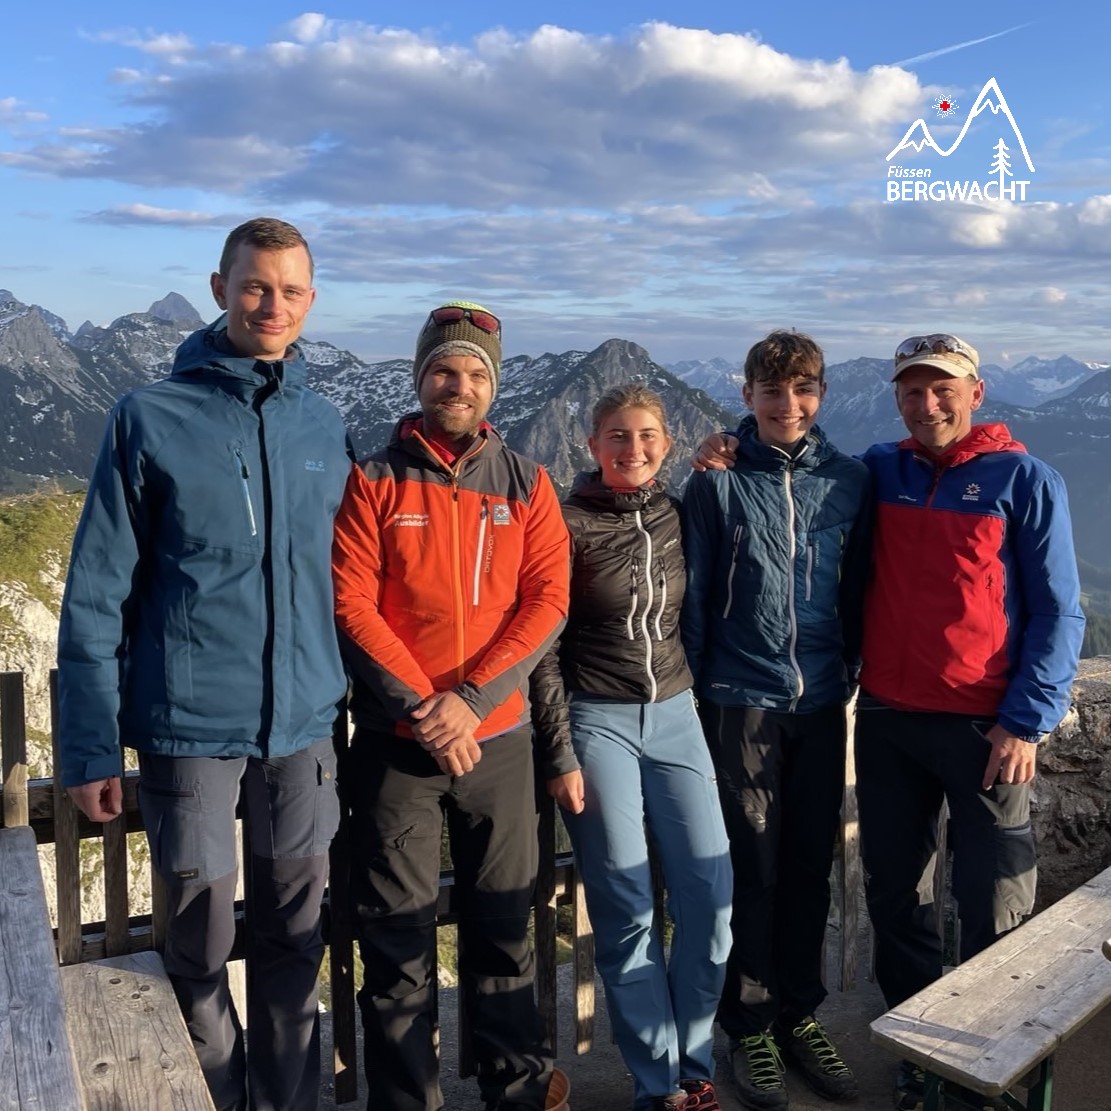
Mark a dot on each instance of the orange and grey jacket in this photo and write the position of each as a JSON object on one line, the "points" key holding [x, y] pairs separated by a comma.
{"points": [[447, 578]]}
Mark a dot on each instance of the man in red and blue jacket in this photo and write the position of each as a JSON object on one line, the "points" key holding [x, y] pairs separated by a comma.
{"points": [[972, 632]]}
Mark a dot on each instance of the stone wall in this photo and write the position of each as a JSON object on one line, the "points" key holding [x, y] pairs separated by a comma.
{"points": [[1072, 791]]}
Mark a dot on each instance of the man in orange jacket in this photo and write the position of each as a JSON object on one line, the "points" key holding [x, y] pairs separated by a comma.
{"points": [[451, 570]]}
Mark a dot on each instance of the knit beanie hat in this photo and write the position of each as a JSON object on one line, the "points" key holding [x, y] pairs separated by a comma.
{"points": [[458, 337]]}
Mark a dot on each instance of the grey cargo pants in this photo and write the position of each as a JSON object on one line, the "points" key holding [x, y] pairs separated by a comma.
{"points": [[291, 812]]}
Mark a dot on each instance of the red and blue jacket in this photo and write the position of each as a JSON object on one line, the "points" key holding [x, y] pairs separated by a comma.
{"points": [[974, 602]]}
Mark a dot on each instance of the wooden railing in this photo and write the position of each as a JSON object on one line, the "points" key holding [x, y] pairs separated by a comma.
{"points": [[42, 804]]}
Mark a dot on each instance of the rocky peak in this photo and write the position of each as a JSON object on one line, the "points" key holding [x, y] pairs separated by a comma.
{"points": [[175, 309]]}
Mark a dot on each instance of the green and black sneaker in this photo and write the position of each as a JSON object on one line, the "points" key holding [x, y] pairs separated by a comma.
{"points": [[808, 1047], [758, 1072]]}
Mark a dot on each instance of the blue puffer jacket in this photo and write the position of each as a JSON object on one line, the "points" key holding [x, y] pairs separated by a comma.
{"points": [[777, 557], [197, 618]]}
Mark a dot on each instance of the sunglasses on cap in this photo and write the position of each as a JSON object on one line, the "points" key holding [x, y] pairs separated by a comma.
{"points": [[935, 343], [480, 318]]}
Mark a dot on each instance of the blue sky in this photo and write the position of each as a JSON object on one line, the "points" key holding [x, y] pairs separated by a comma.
{"points": [[686, 175]]}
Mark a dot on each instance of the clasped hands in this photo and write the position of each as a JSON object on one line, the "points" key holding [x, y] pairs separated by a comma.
{"points": [[443, 725]]}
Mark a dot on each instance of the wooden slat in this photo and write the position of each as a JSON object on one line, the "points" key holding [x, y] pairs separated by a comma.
{"points": [[132, 1048], [583, 950], [545, 916], [40, 802], [342, 944], [13, 749], [36, 1059], [116, 911], [851, 874], [993, 1018], [66, 852]]}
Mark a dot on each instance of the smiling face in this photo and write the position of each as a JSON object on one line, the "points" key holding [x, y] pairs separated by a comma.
{"points": [[267, 295], [785, 410], [455, 395], [630, 446], [936, 408]]}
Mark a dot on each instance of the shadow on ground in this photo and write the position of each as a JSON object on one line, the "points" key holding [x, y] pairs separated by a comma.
{"points": [[599, 1081]]}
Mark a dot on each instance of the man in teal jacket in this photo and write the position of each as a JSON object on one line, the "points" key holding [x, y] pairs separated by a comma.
{"points": [[197, 628]]}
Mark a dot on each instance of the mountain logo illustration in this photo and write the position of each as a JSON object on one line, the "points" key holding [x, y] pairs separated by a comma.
{"points": [[945, 106], [991, 96]]}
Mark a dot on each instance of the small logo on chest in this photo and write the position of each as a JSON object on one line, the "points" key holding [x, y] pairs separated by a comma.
{"points": [[500, 513], [971, 492]]}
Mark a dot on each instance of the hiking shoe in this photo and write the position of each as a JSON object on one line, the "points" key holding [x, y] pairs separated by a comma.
{"points": [[808, 1047], [910, 1087], [758, 1072], [674, 1102], [700, 1096]]}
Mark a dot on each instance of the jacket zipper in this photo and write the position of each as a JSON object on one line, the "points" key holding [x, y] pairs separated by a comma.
{"points": [[791, 615], [481, 547], [737, 533], [632, 600], [245, 486], [663, 603], [653, 688], [457, 594], [809, 569]]}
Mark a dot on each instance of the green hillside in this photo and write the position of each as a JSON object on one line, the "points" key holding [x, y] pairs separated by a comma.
{"points": [[35, 535]]}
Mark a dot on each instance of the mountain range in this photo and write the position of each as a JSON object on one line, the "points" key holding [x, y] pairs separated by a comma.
{"points": [[56, 388]]}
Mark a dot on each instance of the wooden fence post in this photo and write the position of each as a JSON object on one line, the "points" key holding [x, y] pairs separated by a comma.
{"points": [[67, 850], [13, 749]]}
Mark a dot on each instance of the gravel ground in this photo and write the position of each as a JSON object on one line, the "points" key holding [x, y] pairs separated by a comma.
{"points": [[599, 1082]]}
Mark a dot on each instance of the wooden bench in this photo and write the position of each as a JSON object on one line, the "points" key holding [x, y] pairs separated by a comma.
{"points": [[37, 1065], [133, 1050], [100, 1036], [993, 1019]]}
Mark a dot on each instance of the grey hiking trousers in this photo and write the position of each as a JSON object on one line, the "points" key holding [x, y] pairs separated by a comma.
{"points": [[291, 813]]}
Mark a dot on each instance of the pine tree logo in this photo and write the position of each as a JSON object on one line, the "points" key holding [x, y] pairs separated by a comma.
{"points": [[1002, 163]]}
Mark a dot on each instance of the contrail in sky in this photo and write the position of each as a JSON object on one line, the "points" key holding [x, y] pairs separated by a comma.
{"points": [[960, 45]]}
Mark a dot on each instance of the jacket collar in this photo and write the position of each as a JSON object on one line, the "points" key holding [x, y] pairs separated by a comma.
{"points": [[208, 352], [589, 491], [983, 439]]}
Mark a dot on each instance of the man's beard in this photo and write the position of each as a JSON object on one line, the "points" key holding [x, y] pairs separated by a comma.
{"points": [[457, 424]]}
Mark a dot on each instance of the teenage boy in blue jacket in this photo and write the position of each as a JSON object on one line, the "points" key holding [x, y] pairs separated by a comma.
{"points": [[776, 548], [197, 628]]}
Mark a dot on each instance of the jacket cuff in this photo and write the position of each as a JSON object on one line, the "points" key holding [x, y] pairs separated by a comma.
{"points": [[100, 767], [1021, 731]]}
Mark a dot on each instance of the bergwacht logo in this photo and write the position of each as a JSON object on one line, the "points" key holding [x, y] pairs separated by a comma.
{"points": [[918, 137]]}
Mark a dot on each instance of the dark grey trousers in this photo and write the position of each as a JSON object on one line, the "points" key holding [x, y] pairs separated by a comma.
{"points": [[906, 763], [291, 812], [781, 777], [399, 799]]}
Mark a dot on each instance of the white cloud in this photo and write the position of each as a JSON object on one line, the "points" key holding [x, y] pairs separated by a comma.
{"points": [[128, 215], [354, 115], [170, 47], [13, 111], [309, 26]]}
